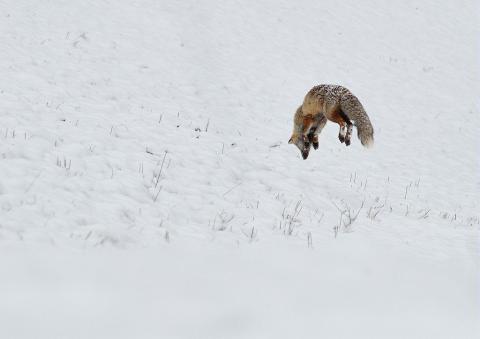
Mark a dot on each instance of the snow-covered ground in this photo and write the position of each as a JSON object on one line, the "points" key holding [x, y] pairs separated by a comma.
{"points": [[147, 189]]}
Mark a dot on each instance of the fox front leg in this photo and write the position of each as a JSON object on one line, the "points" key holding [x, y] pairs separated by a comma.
{"points": [[305, 150], [306, 141], [319, 124], [313, 137], [308, 124]]}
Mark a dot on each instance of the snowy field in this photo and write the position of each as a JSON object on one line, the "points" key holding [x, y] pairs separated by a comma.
{"points": [[147, 189]]}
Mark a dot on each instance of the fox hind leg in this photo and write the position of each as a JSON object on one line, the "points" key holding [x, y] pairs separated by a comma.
{"points": [[345, 133], [348, 136], [342, 133]]}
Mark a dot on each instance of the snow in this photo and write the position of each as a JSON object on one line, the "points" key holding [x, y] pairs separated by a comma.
{"points": [[147, 188]]}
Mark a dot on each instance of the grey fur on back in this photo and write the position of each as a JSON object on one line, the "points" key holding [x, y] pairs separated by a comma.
{"points": [[351, 106]]}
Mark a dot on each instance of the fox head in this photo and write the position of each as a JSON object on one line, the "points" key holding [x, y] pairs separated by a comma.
{"points": [[302, 144]]}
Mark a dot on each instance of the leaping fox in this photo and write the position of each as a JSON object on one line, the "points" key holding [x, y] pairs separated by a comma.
{"points": [[337, 104]]}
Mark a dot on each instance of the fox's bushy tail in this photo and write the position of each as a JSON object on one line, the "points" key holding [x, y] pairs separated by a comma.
{"points": [[352, 107]]}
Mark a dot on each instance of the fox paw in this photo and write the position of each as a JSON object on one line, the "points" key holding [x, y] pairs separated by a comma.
{"points": [[341, 138], [347, 142], [306, 142], [315, 145]]}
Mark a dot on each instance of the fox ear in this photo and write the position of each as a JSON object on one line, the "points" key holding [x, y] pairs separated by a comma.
{"points": [[290, 141]]}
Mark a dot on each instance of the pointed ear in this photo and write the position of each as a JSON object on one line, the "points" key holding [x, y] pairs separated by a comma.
{"points": [[290, 141]]}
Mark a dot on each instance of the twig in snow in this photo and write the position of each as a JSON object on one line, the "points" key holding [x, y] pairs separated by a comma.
{"points": [[231, 189], [156, 195], [161, 168], [425, 214], [208, 123], [33, 181], [349, 214]]}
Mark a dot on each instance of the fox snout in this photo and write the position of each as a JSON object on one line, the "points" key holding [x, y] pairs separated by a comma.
{"points": [[303, 144]]}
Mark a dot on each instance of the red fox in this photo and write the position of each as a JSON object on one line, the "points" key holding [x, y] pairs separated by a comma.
{"points": [[337, 104]]}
